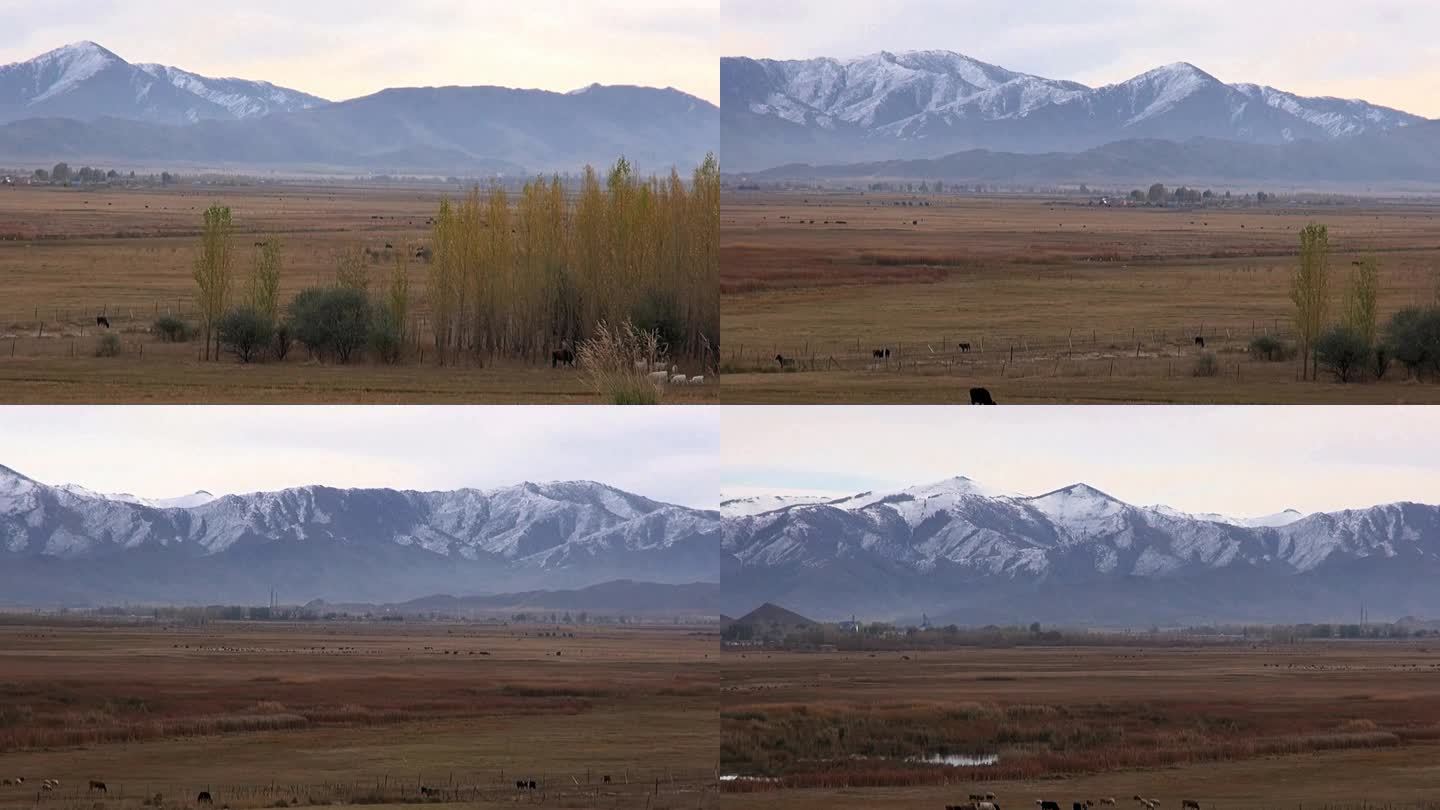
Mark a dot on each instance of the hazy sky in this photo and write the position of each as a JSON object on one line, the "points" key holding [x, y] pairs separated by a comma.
{"points": [[669, 454], [342, 49], [1241, 461], [1384, 51]]}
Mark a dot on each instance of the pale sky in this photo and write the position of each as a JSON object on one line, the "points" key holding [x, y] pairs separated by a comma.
{"points": [[1384, 51], [342, 49], [1240, 461], [668, 454]]}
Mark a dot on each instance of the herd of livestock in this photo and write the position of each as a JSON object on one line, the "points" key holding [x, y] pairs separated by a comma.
{"points": [[204, 797], [988, 801]]}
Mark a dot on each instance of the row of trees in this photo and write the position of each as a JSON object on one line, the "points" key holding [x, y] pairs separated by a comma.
{"points": [[1158, 194], [1351, 343], [511, 277], [519, 280]]}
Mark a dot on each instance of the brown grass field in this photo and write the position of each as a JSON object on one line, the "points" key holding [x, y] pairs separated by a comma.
{"points": [[67, 255], [1060, 302], [274, 715], [1315, 725]]}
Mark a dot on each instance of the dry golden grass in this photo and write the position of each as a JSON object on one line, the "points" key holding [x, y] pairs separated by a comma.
{"points": [[1071, 288], [382, 710], [1240, 726], [67, 255]]}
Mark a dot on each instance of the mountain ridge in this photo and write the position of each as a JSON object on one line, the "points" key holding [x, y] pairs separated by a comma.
{"points": [[922, 104], [63, 545], [1095, 557]]}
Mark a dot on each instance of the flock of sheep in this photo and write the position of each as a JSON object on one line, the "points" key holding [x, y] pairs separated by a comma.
{"points": [[666, 376], [986, 801]]}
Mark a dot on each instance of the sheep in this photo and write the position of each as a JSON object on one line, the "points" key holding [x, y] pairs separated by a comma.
{"points": [[658, 377], [700, 380], [678, 379]]}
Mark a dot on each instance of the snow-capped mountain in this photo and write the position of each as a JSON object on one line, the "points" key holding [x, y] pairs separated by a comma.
{"points": [[760, 504], [69, 545], [86, 82], [195, 498], [929, 103], [1075, 554]]}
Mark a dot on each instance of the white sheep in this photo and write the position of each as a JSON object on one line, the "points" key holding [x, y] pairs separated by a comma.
{"points": [[678, 379], [700, 380], [658, 377]]}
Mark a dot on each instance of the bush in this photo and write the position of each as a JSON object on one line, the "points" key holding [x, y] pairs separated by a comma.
{"points": [[386, 341], [1206, 365], [331, 321], [245, 332], [1342, 351], [1413, 337], [1380, 361], [1272, 349], [283, 340], [108, 345], [172, 330]]}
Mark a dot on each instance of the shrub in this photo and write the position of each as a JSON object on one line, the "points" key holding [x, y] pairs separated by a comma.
{"points": [[1272, 349], [1341, 351], [283, 340], [171, 329], [386, 341], [1206, 365], [331, 321], [1380, 361], [609, 357], [245, 332], [1413, 336], [108, 345]]}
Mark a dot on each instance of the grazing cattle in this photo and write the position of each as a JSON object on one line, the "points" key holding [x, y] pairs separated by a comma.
{"points": [[1047, 805], [606, 778], [1200, 341], [7, 782], [1189, 804], [532, 785], [981, 396], [1077, 805], [96, 784], [562, 357], [964, 347], [1110, 800], [389, 246], [204, 798], [881, 354], [519, 784], [101, 320], [429, 791], [785, 362]]}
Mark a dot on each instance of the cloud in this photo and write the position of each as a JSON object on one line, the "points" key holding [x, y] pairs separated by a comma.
{"points": [[670, 454], [1381, 50], [343, 49]]}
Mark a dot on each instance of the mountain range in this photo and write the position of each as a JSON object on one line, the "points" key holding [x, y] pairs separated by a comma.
{"points": [[83, 103], [959, 552], [63, 545], [924, 104]]}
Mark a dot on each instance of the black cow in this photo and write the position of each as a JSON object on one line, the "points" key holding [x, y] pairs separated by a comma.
{"points": [[562, 357], [533, 785], [1078, 805], [881, 354], [981, 396], [964, 347], [1200, 341], [204, 798], [1044, 805], [96, 784], [606, 778], [785, 362], [429, 791], [519, 784], [101, 320]]}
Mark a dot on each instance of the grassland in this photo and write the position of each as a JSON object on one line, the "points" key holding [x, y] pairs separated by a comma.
{"points": [[1238, 726], [1059, 301], [274, 715], [70, 254]]}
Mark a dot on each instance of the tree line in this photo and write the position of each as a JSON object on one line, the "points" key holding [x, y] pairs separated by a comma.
{"points": [[509, 275]]}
